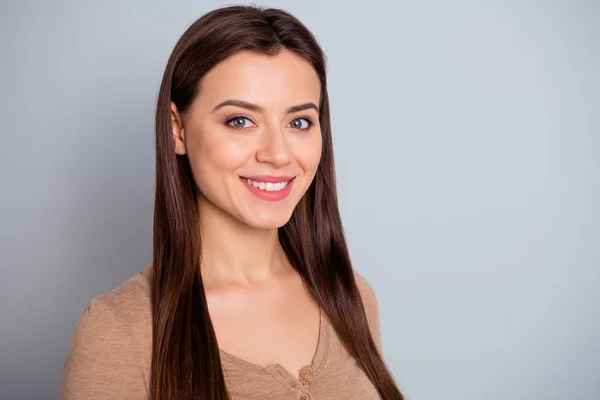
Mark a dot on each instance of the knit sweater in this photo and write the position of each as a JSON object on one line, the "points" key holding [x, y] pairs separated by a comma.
{"points": [[111, 351]]}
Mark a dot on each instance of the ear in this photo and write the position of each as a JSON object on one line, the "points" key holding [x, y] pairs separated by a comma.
{"points": [[177, 128]]}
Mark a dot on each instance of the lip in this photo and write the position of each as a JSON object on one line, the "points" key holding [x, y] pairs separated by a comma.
{"points": [[269, 196], [269, 178]]}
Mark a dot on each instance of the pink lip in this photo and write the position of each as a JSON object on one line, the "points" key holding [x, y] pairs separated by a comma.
{"points": [[269, 178], [269, 196]]}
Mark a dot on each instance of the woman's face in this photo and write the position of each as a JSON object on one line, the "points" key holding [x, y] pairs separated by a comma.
{"points": [[252, 136]]}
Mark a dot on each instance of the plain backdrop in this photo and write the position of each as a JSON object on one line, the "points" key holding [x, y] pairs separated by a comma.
{"points": [[467, 139]]}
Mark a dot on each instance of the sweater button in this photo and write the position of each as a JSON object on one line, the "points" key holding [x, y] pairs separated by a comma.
{"points": [[306, 374], [305, 396]]}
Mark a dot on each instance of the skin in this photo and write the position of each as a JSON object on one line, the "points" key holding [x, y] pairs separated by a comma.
{"points": [[260, 309]]}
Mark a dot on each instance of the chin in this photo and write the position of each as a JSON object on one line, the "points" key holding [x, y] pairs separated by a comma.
{"points": [[269, 220]]}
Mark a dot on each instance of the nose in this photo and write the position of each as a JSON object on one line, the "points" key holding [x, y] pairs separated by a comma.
{"points": [[274, 148]]}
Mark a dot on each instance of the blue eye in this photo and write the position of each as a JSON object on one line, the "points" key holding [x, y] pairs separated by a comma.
{"points": [[301, 123], [239, 122]]}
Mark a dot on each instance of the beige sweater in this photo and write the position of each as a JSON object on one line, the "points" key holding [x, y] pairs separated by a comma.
{"points": [[111, 352]]}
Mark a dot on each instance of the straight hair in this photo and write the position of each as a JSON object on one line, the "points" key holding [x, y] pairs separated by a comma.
{"points": [[186, 361]]}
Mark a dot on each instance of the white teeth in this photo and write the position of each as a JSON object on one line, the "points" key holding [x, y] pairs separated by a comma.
{"points": [[267, 186]]}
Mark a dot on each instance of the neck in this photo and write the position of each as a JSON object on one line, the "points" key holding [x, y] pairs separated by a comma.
{"points": [[233, 251]]}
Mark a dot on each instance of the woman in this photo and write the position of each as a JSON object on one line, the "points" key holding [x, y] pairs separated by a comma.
{"points": [[251, 294]]}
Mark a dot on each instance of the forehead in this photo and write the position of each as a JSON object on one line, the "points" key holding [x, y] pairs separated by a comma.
{"points": [[281, 80]]}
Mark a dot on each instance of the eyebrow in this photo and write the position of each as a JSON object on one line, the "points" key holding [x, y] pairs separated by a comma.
{"points": [[257, 108]]}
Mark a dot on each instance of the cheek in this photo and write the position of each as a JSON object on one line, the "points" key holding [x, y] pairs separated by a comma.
{"points": [[308, 154], [213, 158]]}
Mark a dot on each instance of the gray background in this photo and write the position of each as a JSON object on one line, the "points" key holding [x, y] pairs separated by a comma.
{"points": [[467, 143]]}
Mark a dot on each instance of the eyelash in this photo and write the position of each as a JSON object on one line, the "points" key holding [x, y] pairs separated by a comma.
{"points": [[230, 120]]}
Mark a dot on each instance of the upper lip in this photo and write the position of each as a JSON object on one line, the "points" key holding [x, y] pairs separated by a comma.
{"points": [[269, 178]]}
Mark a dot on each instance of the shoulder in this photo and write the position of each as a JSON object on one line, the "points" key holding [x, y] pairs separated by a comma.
{"points": [[369, 299], [111, 343], [123, 302], [367, 292], [127, 307], [127, 304]]}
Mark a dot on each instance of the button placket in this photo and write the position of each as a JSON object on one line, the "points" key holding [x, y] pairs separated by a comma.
{"points": [[286, 379], [306, 378]]}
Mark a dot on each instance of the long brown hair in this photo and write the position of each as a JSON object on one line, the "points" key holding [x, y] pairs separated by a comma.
{"points": [[185, 355]]}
